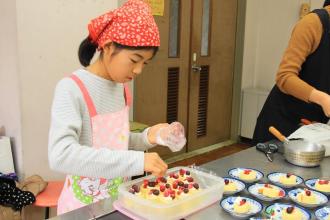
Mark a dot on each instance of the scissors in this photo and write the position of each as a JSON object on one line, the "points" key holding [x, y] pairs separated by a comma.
{"points": [[268, 150]]}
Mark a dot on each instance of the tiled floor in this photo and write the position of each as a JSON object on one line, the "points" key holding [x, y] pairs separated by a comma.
{"points": [[212, 155]]}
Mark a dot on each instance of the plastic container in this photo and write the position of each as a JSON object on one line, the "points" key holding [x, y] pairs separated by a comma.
{"points": [[211, 191]]}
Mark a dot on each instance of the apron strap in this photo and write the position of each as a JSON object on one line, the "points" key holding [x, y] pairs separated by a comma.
{"points": [[128, 95], [87, 98]]}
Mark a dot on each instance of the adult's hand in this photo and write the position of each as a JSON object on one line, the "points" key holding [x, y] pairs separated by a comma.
{"points": [[322, 99]]}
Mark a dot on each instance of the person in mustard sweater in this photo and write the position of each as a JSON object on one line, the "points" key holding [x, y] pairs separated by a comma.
{"points": [[303, 80]]}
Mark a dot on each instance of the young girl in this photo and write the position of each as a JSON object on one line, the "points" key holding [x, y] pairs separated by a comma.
{"points": [[89, 135]]}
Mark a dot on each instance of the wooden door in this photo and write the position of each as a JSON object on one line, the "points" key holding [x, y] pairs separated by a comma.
{"points": [[170, 90]]}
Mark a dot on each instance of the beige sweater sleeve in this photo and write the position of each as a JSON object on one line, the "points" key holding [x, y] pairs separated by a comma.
{"points": [[305, 39]]}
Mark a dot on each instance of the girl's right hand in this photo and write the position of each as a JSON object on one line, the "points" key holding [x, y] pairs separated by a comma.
{"points": [[154, 164]]}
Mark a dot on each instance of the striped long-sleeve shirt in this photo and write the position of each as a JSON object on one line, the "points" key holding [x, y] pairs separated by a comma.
{"points": [[70, 137]]}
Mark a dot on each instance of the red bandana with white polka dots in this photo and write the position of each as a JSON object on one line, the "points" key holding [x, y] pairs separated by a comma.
{"points": [[130, 25]]}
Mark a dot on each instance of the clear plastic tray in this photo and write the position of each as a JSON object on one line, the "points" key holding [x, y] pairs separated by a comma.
{"points": [[212, 190]]}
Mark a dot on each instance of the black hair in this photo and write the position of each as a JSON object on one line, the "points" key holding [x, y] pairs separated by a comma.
{"points": [[326, 3], [87, 50]]}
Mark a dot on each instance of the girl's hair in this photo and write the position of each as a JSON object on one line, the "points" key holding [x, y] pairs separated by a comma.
{"points": [[326, 3], [87, 50]]}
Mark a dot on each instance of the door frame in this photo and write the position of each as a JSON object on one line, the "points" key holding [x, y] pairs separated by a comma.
{"points": [[238, 67]]}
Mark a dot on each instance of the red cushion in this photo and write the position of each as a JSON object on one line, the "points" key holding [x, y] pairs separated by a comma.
{"points": [[49, 197]]}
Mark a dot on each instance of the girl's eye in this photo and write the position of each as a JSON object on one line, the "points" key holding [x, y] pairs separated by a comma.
{"points": [[133, 61]]}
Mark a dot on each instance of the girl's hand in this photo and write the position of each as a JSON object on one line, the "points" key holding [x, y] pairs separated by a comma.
{"points": [[154, 164], [153, 132], [322, 99]]}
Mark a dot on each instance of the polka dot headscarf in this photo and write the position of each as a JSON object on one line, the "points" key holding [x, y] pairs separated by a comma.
{"points": [[130, 25]]}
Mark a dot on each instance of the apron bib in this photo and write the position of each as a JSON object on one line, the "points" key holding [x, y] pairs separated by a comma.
{"points": [[110, 131]]}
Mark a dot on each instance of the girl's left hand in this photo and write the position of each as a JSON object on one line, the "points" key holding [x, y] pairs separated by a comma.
{"points": [[152, 133]]}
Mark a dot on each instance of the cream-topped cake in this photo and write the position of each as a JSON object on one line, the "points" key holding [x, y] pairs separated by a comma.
{"points": [[165, 190], [230, 186], [248, 175], [291, 213], [307, 197], [241, 206], [288, 179], [323, 186], [270, 191]]}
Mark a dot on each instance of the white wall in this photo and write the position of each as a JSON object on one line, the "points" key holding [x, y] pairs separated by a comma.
{"points": [[10, 116], [47, 35], [267, 32]]}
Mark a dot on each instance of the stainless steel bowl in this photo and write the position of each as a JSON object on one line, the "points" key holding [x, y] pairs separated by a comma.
{"points": [[305, 155]]}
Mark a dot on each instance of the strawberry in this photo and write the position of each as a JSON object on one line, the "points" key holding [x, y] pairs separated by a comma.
{"points": [[247, 172], [190, 179], [166, 194], [136, 188], [290, 209], [242, 202], [175, 185], [162, 188], [182, 172], [281, 193], [145, 182]]}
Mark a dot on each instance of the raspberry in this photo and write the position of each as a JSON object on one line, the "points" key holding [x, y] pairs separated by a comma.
{"points": [[190, 179], [226, 181], [308, 193]]}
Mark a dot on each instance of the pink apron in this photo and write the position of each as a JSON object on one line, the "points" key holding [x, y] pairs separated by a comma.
{"points": [[109, 130]]}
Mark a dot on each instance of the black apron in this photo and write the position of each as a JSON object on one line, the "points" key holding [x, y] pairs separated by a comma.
{"points": [[285, 111]]}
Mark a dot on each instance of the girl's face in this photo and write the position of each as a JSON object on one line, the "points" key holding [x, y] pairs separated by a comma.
{"points": [[124, 65]]}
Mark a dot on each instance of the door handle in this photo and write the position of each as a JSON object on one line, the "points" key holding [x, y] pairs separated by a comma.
{"points": [[196, 68]]}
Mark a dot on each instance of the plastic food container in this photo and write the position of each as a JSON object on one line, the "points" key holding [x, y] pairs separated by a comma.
{"points": [[211, 191]]}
